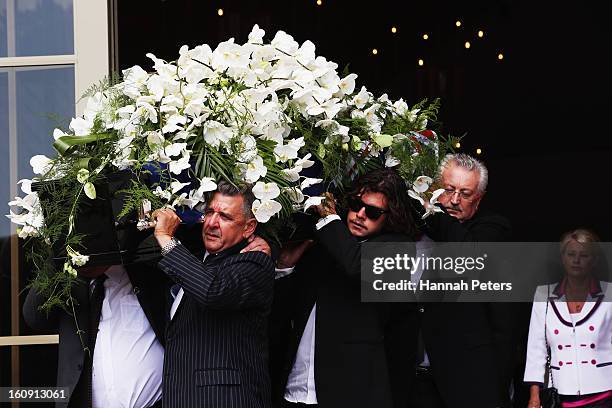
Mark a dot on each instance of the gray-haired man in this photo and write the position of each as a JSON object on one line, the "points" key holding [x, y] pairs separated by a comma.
{"points": [[470, 345]]}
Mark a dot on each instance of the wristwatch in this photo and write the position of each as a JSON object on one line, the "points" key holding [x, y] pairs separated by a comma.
{"points": [[165, 250]]}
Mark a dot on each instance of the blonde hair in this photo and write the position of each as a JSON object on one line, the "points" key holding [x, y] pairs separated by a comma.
{"points": [[582, 236]]}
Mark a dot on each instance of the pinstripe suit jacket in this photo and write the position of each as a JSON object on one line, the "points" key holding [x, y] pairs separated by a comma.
{"points": [[216, 344]]}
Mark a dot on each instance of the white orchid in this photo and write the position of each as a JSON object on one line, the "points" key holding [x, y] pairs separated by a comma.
{"points": [[229, 55], [308, 182], [304, 162], [295, 194], [182, 107], [285, 43], [57, 133], [290, 150], [75, 257], [41, 164], [391, 161], [256, 35], [247, 148], [177, 166], [266, 209], [346, 86], [207, 184], [266, 191], [429, 205], [292, 174], [361, 98], [81, 126], [255, 169], [165, 194], [422, 184], [313, 201]]}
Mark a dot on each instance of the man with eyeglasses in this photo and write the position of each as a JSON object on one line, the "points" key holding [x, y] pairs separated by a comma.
{"points": [[341, 352], [469, 346]]}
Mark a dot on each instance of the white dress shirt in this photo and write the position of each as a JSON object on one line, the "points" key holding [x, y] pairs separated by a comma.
{"points": [[128, 359], [179, 296], [301, 382]]}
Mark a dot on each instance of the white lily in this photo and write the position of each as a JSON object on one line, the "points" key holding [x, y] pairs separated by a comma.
{"points": [[144, 112], [26, 185], [216, 133]]}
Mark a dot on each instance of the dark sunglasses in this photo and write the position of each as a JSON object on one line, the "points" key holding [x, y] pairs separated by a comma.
{"points": [[355, 204]]}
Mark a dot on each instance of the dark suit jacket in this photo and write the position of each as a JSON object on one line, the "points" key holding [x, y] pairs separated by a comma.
{"points": [[217, 346], [471, 346], [364, 352], [152, 290]]}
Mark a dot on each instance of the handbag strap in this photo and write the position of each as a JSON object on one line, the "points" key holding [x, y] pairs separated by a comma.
{"points": [[548, 374]]}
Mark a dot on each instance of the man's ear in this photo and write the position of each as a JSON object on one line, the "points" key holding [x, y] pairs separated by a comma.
{"points": [[249, 228]]}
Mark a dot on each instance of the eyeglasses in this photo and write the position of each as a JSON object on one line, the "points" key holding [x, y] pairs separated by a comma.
{"points": [[449, 192], [355, 204]]}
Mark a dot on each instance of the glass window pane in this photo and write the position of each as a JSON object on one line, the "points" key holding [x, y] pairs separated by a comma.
{"points": [[45, 100], [3, 39], [43, 27]]}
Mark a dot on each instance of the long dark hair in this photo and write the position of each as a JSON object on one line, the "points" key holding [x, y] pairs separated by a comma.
{"points": [[390, 183]]}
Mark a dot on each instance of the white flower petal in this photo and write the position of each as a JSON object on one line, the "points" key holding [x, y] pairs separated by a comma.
{"points": [[266, 191]]}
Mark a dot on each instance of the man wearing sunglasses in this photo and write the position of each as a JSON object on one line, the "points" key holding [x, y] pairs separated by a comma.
{"points": [[341, 352], [470, 345]]}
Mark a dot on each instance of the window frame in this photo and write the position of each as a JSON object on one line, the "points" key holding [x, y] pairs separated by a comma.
{"points": [[91, 64]]}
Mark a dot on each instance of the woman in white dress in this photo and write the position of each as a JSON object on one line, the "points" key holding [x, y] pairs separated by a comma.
{"points": [[572, 320]]}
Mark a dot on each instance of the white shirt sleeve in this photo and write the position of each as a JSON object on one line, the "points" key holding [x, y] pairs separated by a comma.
{"points": [[326, 220], [282, 272]]}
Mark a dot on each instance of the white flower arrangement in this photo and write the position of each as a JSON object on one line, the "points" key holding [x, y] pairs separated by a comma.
{"points": [[253, 113]]}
